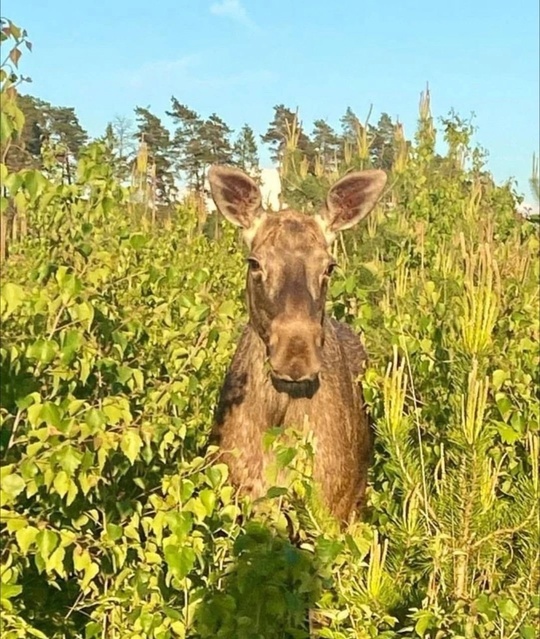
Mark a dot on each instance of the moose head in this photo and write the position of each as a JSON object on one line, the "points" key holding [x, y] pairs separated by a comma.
{"points": [[290, 263]]}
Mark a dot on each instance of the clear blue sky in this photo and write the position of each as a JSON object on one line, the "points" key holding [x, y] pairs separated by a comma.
{"points": [[239, 58]]}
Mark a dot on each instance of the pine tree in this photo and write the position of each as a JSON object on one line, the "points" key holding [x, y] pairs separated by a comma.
{"points": [[277, 133], [245, 152], [382, 142], [326, 144], [66, 129], [188, 144], [120, 138], [45, 123], [157, 137], [349, 126], [534, 180], [216, 143]]}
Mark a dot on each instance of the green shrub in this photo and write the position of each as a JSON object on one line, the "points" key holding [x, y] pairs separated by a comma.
{"points": [[115, 521]]}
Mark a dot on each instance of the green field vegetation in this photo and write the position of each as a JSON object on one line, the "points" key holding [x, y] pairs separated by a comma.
{"points": [[116, 333]]}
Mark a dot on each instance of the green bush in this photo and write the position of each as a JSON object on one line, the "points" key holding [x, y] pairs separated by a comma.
{"points": [[115, 521]]}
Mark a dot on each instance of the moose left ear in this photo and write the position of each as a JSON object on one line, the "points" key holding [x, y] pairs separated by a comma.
{"points": [[236, 195], [352, 198]]}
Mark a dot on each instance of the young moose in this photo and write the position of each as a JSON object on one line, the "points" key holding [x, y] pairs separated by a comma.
{"points": [[313, 361]]}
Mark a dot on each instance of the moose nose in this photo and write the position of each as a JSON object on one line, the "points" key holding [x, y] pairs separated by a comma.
{"points": [[296, 352], [296, 375]]}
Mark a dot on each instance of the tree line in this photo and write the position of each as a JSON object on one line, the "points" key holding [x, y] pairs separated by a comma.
{"points": [[192, 142]]}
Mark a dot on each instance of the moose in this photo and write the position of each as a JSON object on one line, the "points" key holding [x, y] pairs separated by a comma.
{"points": [[293, 365]]}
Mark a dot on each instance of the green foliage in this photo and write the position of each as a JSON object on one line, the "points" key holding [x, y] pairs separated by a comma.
{"points": [[115, 518], [45, 124], [12, 38]]}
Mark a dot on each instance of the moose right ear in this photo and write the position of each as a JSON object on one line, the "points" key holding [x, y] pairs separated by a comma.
{"points": [[236, 195]]}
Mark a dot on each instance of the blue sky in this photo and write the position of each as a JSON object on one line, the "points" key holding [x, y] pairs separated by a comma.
{"points": [[239, 58]]}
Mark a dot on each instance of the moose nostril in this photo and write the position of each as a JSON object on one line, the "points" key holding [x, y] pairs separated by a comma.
{"points": [[296, 369], [296, 376]]}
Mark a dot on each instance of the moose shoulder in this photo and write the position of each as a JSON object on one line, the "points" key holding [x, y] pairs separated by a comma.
{"points": [[313, 360]]}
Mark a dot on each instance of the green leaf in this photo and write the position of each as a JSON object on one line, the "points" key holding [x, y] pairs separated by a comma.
{"points": [[43, 350], [114, 532], [81, 559], [70, 459], [179, 560], [276, 491], [7, 591], [217, 474], [284, 456], [227, 309], [46, 541], [187, 488], [424, 623], [528, 632], [50, 414], [34, 414], [508, 609], [34, 181], [13, 296], [504, 405], [124, 373], [208, 499], [131, 444], [116, 412], [195, 506], [61, 483], [508, 434], [71, 344], [6, 129], [70, 285], [84, 313], [93, 629], [95, 418], [180, 524], [56, 561], [13, 485], [499, 377], [91, 571], [138, 240], [26, 537]]}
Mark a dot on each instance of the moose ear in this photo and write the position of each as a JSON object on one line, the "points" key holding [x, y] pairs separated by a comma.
{"points": [[352, 198], [236, 195]]}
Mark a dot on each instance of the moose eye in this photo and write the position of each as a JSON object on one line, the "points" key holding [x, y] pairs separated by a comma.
{"points": [[330, 269], [254, 265]]}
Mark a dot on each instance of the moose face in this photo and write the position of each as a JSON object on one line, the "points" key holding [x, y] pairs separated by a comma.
{"points": [[290, 263]]}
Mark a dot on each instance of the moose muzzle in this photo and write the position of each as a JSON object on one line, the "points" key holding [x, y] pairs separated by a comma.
{"points": [[295, 349]]}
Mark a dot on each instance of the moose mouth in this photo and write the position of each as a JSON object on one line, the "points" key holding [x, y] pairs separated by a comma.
{"points": [[305, 388]]}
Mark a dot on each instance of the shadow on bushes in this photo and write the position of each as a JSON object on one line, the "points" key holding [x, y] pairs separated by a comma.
{"points": [[266, 593]]}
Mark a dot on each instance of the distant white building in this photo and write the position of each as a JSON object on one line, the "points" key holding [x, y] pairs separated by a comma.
{"points": [[271, 189], [528, 210]]}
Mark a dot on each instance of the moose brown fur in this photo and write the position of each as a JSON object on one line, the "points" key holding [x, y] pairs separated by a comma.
{"points": [[293, 365]]}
